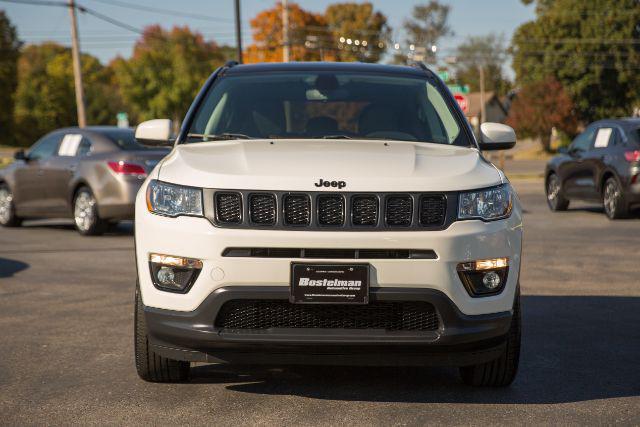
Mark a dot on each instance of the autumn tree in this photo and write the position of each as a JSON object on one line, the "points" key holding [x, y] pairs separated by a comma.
{"points": [[367, 29], [426, 26], [307, 36], [45, 97], [166, 71], [540, 106], [487, 52], [590, 47], [9, 53]]}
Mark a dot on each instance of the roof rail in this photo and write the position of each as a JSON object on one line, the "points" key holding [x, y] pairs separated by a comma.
{"points": [[419, 64]]}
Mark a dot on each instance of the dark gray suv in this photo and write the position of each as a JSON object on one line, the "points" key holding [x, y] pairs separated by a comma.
{"points": [[601, 165]]}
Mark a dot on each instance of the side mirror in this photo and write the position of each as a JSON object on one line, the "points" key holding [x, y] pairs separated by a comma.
{"points": [[496, 136], [157, 132], [563, 150], [20, 155]]}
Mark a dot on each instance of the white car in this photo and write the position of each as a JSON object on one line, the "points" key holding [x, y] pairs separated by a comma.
{"points": [[327, 213]]}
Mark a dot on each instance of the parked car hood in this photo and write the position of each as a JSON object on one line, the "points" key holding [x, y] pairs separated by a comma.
{"points": [[297, 165]]}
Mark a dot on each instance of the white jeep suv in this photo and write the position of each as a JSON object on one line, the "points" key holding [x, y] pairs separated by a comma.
{"points": [[327, 213]]}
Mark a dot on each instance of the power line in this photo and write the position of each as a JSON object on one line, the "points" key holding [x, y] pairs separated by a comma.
{"points": [[80, 8], [163, 11]]}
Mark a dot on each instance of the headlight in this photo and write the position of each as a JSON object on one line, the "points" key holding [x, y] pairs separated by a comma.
{"points": [[488, 204], [173, 200]]}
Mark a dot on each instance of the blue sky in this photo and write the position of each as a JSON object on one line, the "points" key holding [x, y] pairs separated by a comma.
{"points": [[39, 23]]}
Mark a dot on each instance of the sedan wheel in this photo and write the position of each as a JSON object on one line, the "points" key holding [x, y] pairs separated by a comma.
{"points": [[85, 214], [8, 217], [613, 201]]}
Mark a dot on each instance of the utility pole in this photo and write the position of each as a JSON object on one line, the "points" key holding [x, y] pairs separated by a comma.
{"points": [[483, 116], [238, 31], [77, 68], [285, 31]]}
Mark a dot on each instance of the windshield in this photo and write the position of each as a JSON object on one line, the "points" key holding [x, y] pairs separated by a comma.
{"points": [[325, 105]]}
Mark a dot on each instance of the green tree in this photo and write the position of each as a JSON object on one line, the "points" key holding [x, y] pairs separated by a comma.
{"points": [[166, 71], [9, 53], [45, 98], [427, 25], [590, 47], [487, 52], [540, 106], [357, 22]]}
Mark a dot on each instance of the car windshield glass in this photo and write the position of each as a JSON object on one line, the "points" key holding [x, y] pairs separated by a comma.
{"points": [[124, 139], [326, 105]]}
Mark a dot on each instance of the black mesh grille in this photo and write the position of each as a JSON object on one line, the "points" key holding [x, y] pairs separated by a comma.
{"points": [[365, 210], [229, 208], [265, 314], [399, 211], [330, 210], [263, 209], [297, 209], [432, 210]]}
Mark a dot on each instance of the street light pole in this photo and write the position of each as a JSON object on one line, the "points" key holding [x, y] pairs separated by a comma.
{"points": [[285, 31], [238, 31], [77, 68]]}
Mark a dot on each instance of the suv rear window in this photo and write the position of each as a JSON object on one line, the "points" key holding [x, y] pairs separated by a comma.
{"points": [[325, 105]]}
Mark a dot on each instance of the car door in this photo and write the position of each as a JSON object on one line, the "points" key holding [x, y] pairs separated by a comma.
{"points": [[599, 156], [60, 169], [30, 192], [576, 174]]}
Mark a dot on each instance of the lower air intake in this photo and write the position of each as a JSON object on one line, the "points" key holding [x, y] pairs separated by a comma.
{"points": [[267, 314]]}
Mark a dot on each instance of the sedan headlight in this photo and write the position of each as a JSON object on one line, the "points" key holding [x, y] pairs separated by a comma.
{"points": [[488, 204], [173, 200]]}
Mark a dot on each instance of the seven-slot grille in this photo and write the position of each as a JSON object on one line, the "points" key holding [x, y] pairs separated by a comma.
{"points": [[386, 315], [331, 210]]}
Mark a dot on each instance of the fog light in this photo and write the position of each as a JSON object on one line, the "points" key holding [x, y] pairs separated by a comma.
{"points": [[491, 280], [172, 273], [484, 277], [166, 276]]}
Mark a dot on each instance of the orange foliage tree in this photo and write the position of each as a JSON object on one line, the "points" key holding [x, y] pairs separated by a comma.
{"points": [[307, 31], [541, 106]]}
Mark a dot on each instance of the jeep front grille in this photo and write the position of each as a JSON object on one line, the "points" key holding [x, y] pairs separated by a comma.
{"points": [[229, 208], [332, 211], [266, 314], [262, 209]]}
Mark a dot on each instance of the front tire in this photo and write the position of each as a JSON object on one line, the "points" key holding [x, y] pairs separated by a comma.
{"points": [[149, 365], [85, 214], [555, 196], [614, 205], [8, 217], [502, 371]]}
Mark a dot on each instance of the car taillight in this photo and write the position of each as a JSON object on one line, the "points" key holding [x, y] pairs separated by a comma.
{"points": [[632, 156], [125, 168]]}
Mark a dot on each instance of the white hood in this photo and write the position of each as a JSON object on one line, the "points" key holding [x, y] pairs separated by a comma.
{"points": [[296, 165]]}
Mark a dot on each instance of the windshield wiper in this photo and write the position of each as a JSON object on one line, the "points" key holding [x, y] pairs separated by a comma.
{"points": [[339, 136], [218, 136]]}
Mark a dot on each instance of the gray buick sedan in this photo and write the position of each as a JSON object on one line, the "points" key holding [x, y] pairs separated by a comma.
{"points": [[91, 175]]}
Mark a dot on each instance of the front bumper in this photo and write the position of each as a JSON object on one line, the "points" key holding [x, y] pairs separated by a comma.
{"points": [[459, 340]]}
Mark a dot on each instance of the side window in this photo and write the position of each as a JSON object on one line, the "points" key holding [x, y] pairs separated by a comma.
{"points": [[583, 141], [45, 148], [74, 144], [604, 138], [84, 148]]}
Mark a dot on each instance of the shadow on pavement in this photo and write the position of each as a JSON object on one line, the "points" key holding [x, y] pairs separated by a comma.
{"points": [[9, 267], [575, 348], [123, 228]]}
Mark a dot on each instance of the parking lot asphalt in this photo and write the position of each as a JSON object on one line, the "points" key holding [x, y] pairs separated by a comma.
{"points": [[66, 342]]}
